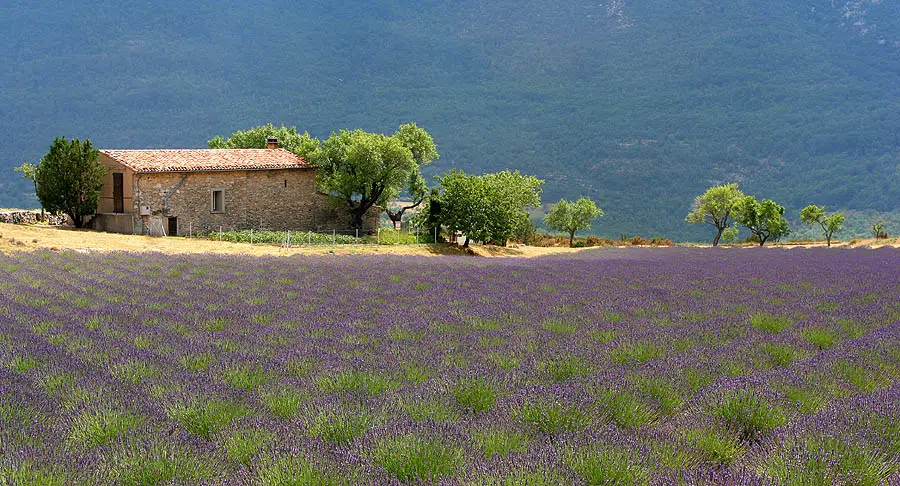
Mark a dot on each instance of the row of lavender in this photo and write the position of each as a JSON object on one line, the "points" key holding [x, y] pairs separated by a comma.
{"points": [[631, 366]]}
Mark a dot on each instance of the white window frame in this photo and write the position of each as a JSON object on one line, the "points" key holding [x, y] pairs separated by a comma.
{"points": [[212, 206]]}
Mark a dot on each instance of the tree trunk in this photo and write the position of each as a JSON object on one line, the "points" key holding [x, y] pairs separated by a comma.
{"points": [[466, 244], [762, 242], [828, 239], [718, 236], [571, 239], [77, 220]]}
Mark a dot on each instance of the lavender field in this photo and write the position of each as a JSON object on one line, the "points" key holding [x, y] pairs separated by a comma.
{"points": [[619, 366]]}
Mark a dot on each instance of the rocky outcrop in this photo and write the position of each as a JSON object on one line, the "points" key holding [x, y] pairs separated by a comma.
{"points": [[32, 217]]}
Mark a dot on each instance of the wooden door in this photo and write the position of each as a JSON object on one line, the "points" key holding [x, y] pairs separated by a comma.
{"points": [[118, 193], [173, 226]]}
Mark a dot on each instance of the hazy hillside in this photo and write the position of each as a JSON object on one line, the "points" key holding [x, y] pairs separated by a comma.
{"points": [[640, 105]]}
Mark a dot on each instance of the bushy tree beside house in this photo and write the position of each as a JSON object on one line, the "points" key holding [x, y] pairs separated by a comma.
{"points": [[487, 208], [572, 216], [301, 144], [68, 179]]}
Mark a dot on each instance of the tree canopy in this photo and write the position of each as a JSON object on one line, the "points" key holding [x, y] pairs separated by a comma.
{"points": [[69, 178], [490, 207], [365, 169], [717, 206], [765, 219], [300, 144], [830, 224], [572, 216]]}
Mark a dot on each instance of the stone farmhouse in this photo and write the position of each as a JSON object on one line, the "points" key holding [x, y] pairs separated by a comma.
{"points": [[199, 191]]}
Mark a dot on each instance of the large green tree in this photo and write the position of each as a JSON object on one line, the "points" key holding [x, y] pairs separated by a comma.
{"points": [[490, 207], [301, 144], [365, 169], [830, 224], [68, 179], [765, 219], [572, 216], [717, 207]]}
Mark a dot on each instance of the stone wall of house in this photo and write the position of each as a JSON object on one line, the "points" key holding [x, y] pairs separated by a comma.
{"points": [[280, 200]]}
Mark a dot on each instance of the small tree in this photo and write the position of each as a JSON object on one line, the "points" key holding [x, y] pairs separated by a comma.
{"points": [[572, 216], [878, 230], [717, 206], [765, 219], [830, 224], [69, 179], [29, 171], [417, 190]]}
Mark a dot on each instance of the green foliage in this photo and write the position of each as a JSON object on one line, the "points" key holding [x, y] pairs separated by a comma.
{"points": [[356, 381], [749, 415], [627, 409], [765, 219], [242, 446], [284, 403], [413, 459], [158, 465], [365, 169], [635, 352], [770, 323], [499, 441], [550, 417], [93, 429], [300, 144], [830, 223], [565, 367], [608, 466], [717, 206], [475, 396], [716, 447], [296, 471], [206, 417], [487, 208], [28, 474], [341, 427], [781, 354], [572, 216], [820, 338], [69, 178]]}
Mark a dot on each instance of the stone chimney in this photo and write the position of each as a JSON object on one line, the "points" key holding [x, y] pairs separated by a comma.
{"points": [[272, 143]]}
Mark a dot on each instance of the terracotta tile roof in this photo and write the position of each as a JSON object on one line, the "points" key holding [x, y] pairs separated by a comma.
{"points": [[195, 160]]}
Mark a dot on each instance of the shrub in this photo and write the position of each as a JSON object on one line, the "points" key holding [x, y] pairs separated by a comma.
{"points": [[411, 459], [341, 427], [475, 396], [749, 415], [500, 442], [770, 323], [551, 418], [608, 466]]}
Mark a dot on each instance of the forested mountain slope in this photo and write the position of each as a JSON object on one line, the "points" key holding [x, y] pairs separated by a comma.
{"points": [[640, 105]]}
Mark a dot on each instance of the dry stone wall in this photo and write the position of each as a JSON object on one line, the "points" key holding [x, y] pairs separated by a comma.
{"points": [[33, 217]]}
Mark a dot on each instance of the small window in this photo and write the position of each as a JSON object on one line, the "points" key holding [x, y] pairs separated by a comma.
{"points": [[218, 201]]}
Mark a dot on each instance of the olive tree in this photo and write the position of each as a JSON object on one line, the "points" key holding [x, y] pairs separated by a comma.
{"points": [[717, 207], [69, 179], [366, 169], [765, 219], [572, 216], [830, 224]]}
